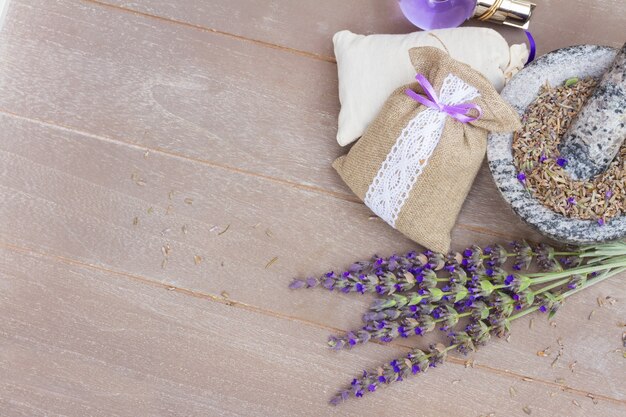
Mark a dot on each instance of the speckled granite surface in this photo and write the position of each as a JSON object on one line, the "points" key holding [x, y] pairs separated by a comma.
{"points": [[597, 133], [555, 68]]}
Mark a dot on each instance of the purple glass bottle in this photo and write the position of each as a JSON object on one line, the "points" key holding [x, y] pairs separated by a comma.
{"points": [[437, 14]]}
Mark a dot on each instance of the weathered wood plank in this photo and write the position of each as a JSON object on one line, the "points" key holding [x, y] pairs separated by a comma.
{"points": [[86, 192], [74, 196], [78, 341], [202, 99], [310, 25], [581, 345]]}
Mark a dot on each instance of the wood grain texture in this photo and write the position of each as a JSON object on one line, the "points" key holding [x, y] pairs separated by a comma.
{"points": [[309, 25], [205, 102], [77, 341], [204, 119], [64, 205], [235, 222]]}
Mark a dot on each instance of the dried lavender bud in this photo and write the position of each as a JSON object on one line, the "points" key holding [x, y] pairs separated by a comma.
{"points": [[479, 331], [472, 257], [414, 362], [437, 355], [498, 256], [548, 302], [450, 317], [546, 258], [500, 326], [436, 261], [523, 253], [463, 340], [520, 282], [458, 276], [380, 275], [480, 311], [577, 281], [388, 314], [496, 275]]}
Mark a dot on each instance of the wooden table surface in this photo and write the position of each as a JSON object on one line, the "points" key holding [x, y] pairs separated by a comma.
{"points": [[158, 155]]}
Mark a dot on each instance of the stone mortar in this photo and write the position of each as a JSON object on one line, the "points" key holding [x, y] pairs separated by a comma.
{"points": [[554, 68]]}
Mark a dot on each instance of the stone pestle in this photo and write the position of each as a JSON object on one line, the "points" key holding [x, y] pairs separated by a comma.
{"points": [[596, 135]]}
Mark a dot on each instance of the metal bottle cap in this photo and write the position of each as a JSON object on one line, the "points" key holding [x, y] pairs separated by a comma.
{"points": [[516, 13]]}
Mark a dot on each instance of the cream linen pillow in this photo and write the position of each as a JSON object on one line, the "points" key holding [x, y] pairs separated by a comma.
{"points": [[371, 67]]}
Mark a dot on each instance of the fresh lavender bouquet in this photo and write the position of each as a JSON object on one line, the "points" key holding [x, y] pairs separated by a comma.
{"points": [[470, 296]]}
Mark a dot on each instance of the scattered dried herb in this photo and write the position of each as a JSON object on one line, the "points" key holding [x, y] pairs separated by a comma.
{"points": [[224, 231], [544, 353], [542, 170], [189, 201], [527, 410], [197, 259], [271, 262], [135, 221], [593, 399], [137, 180], [559, 354]]}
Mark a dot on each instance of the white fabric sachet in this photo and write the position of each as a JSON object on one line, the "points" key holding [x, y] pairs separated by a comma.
{"points": [[371, 67]]}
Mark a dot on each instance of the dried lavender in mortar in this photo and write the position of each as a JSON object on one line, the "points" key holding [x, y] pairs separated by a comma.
{"points": [[543, 170], [469, 296]]}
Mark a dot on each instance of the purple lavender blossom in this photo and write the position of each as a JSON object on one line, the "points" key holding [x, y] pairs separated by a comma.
{"points": [[428, 291]]}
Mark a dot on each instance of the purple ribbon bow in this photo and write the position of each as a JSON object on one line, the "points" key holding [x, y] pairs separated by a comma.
{"points": [[459, 111]]}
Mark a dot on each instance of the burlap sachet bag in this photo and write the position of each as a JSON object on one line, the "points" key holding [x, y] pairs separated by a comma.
{"points": [[415, 164]]}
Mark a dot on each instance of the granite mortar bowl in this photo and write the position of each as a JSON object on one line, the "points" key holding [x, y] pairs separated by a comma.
{"points": [[555, 68]]}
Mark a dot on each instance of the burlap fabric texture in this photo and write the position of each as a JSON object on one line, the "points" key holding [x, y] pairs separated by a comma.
{"points": [[433, 204]]}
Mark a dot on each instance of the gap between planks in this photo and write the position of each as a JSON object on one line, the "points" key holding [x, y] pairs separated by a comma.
{"points": [[341, 196], [248, 307], [228, 168], [266, 44]]}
